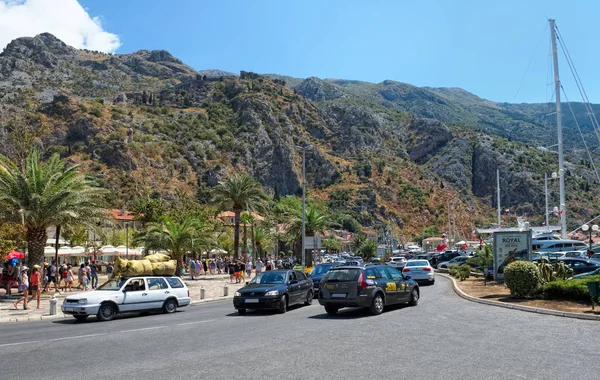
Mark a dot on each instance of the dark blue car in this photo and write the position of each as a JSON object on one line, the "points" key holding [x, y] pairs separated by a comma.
{"points": [[317, 274]]}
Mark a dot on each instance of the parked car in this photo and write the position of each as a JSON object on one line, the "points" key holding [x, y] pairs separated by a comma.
{"points": [[595, 256], [277, 290], [580, 265], [580, 254], [397, 262], [371, 287], [587, 274], [447, 256], [458, 260], [317, 274], [124, 295], [420, 271]]}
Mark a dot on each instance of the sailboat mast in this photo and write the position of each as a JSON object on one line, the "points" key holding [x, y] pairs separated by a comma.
{"points": [[561, 163], [498, 195]]}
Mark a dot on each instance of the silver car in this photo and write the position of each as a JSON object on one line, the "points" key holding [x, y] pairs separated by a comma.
{"points": [[420, 271]]}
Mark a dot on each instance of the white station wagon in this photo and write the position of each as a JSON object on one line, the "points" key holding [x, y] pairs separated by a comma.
{"points": [[124, 295]]}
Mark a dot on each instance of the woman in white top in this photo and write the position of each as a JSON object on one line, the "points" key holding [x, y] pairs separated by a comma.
{"points": [[24, 287]]}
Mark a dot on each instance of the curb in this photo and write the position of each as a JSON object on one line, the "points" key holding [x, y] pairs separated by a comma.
{"points": [[206, 300], [528, 309]]}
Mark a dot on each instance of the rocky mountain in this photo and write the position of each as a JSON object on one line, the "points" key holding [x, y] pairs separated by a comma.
{"points": [[147, 125]]}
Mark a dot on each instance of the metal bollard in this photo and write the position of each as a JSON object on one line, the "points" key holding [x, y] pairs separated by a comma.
{"points": [[53, 302], [202, 292], [225, 290]]}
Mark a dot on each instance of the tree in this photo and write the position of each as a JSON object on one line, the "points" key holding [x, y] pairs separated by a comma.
{"points": [[317, 219], [483, 260], [47, 194], [358, 240], [238, 193], [368, 249], [332, 244], [263, 239], [177, 238]]}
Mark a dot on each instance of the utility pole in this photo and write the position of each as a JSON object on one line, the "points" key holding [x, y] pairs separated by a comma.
{"points": [[304, 149], [561, 164], [546, 195], [498, 193], [449, 229]]}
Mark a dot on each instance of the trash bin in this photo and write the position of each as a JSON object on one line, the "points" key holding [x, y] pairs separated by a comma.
{"points": [[594, 289]]}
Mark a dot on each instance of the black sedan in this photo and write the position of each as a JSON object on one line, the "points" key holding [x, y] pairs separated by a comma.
{"points": [[580, 265], [277, 290], [317, 274], [371, 287]]}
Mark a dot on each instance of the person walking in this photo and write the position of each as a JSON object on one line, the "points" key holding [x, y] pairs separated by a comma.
{"points": [[69, 276], [23, 287], [259, 266], [231, 270], [109, 270], [192, 268], [269, 266], [36, 285], [94, 274], [248, 268], [8, 277], [88, 271]]}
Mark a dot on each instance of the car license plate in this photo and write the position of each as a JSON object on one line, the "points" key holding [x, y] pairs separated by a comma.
{"points": [[251, 300], [68, 309], [338, 295]]}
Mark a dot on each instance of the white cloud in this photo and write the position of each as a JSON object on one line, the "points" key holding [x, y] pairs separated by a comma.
{"points": [[66, 19]]}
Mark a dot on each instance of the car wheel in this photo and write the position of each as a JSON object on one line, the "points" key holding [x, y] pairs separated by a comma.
{"points": [[331, 310], [414, 297], [309, 298], [283, 304], [377, 305], [170, 306], [81, 317], [242, 311], [107, 312]]}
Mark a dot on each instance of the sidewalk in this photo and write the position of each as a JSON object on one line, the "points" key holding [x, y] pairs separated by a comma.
{"points": [[213, 290]]}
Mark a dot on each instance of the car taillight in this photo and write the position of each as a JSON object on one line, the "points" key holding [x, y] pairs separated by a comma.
{"points": [[362, 284], [405, 270], [188, 293], [427, 269]]}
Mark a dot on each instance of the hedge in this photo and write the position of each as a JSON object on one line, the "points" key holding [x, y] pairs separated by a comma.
{"points": [[573, 290]]}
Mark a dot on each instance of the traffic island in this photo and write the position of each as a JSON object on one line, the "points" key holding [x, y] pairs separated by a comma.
{"points": [[493, 294]]}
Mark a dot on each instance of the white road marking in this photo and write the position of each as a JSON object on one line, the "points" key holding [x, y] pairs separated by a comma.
{"points": [[146, 328], [193, 323], [76, 337], [18, 343]]}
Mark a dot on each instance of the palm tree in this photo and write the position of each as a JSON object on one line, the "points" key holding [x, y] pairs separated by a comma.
{"points": [[47, 194], [177, 238], [332, 244], [238, 193], [263, 239], [317, 220]]}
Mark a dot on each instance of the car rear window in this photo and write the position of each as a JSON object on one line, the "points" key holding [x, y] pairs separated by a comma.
{"points": [[174, 282], [347, 274], [417, 263]]}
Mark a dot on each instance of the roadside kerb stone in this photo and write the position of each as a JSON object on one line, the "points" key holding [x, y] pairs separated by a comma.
{"points": [[528, 309]]}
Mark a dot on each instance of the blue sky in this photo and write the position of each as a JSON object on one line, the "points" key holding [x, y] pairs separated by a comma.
{"points": [[482, 46]]}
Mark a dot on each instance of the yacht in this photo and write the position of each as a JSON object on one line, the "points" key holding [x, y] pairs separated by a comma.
{"points": [[548, 242]]}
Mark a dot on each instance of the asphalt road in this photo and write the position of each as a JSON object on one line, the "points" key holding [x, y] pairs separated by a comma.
{"points": [[444, 337]]}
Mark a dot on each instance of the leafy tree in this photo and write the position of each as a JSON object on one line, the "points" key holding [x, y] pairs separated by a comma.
{"points": [[332, 244], [148, 210], [368, 249], [47, 194], [263, 239], [358, 240], [483, 260], [177, 238], [239, 193]]}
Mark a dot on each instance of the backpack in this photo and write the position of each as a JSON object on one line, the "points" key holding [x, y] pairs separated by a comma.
{"points": [[192, 265]]}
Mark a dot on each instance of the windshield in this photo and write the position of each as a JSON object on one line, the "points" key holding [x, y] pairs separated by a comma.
{"points": [[320, 269], [115, 284], [269, 278], [417, 263], [342, 275]]}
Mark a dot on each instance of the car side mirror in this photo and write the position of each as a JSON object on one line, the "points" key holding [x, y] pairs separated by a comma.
{"points": [[407, 277]]}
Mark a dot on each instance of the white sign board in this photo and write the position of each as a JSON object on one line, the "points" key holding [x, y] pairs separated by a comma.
{"points": [[509, 247]]}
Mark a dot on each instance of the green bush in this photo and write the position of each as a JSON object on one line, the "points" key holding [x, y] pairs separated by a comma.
{"points": [[573, 290], [461, 272], [522, 278]]}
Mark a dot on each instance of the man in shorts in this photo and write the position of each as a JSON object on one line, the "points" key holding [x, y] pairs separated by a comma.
{"points": [[52, 277], [248, 268]]}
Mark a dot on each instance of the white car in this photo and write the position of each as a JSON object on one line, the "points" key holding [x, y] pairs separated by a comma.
{"points": [[458, 260], [419, 270], [397, 262], [124, 295]]}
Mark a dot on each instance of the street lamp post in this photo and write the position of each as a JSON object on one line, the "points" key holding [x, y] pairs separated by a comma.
{"points": [[304, 149], [127, 240], [594, 228]]}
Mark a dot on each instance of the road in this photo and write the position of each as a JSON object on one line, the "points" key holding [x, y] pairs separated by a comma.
{"points": [[444, 337]]}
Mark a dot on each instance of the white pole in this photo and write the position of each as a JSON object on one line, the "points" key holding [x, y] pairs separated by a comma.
{"points": [[546, 195], [498, 193], [303, 208], [561, 164]]}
